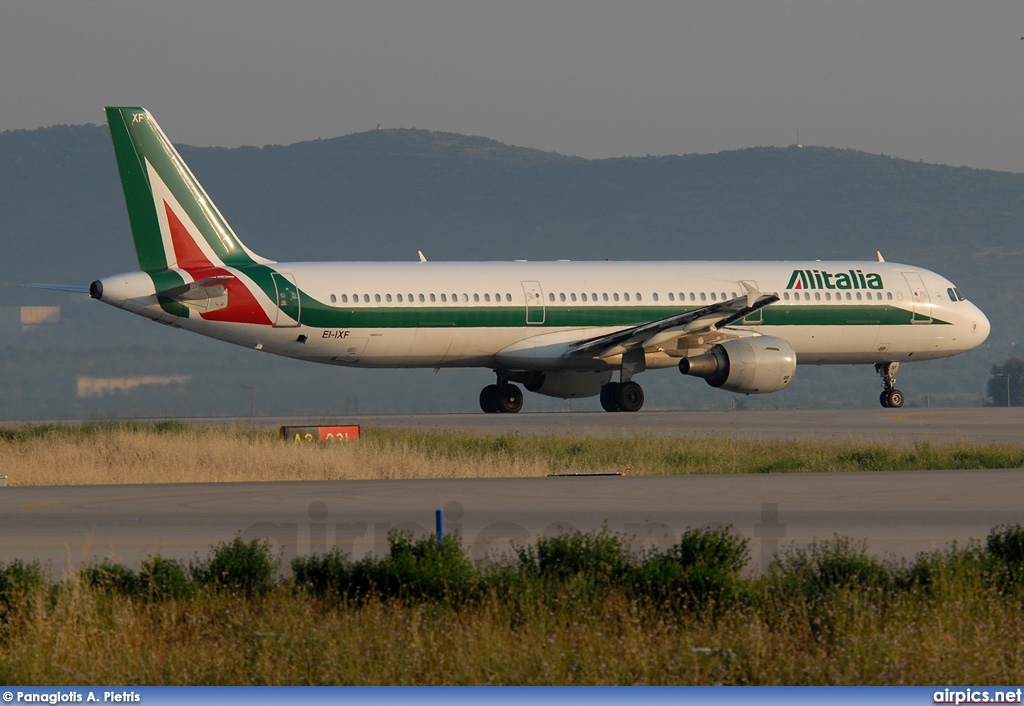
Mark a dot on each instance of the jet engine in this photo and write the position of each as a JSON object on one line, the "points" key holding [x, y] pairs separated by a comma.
{"points": [[747, 365]]}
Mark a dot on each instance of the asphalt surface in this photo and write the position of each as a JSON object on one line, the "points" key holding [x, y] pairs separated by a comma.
{"points": [[895, 513]]}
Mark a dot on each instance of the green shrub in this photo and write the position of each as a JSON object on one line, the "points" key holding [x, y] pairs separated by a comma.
{"points": [[1006, 543], [18, 580], [961, 565], [589, 564], [328, 575], [112, 578], [164, 579], [1005, 547], [820, 567], [238, 567], [702, 567], [415, 569], [423, 568]]}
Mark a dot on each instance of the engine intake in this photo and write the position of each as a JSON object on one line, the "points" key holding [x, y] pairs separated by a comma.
{"points": [[747, 365]]}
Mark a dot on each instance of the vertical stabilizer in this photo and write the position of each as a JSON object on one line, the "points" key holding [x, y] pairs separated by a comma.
{"points": [[174, 223]]}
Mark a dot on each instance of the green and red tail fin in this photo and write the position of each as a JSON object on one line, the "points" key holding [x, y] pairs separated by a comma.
{"points": [[174, 223]]}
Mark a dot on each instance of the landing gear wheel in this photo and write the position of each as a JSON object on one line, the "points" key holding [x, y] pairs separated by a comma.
{"points": [[608, 394], [489, 399], [892, 399], [629, 397], [510, 400]]}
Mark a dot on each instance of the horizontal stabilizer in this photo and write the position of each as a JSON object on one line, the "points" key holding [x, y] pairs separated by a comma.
{"points": [[206, 288], [77, 289]]}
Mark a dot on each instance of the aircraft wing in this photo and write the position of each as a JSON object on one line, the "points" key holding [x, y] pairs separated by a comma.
{"points": [[652, 333]]}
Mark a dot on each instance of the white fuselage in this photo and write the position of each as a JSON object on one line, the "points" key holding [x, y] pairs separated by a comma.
{"points": [[520, 315]]}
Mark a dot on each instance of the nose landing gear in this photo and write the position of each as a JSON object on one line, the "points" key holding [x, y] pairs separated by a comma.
{"points": [[890, 397]]}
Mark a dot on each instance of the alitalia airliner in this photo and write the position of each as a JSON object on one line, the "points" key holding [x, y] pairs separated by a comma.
{"points": [[563, 329]]}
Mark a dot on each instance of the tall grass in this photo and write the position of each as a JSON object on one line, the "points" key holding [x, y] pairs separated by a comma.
{"points": [[825, 614], [174, 453]]}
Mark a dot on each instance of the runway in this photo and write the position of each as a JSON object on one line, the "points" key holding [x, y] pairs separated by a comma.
{"points": [[909, 425], [982, 425], [895, 513], [898, 514]]}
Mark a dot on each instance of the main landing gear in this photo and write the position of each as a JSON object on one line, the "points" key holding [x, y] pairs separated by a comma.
{"points": [[890, 397], [504, 397], [626, 395], [622, 397]]}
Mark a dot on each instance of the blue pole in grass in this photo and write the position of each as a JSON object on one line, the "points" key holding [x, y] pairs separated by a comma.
{"points": [[439, 525]]}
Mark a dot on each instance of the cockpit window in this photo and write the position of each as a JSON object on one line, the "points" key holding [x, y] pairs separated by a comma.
{"points": [[954, 295]]}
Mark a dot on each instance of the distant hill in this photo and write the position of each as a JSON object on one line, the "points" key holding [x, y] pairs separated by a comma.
{"points": [[385, 194]]}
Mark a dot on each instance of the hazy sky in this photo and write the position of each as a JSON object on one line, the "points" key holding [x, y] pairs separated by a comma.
{"points": [[933, 80]]}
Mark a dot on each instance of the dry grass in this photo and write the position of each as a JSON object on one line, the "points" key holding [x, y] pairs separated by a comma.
{"points": [[131, 454], [174, 453]]}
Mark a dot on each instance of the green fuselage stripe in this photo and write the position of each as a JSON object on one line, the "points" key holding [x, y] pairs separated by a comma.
{"points": [[319, 316]]}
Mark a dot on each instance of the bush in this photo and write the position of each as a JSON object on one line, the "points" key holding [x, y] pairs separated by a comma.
{"points": [[566, 555], [238, 567], [112, 578], [326, 576], [164, 578], [17, 580], [415, 569], [704, 565], [1005, 547], [822, 567], [421, 568]]}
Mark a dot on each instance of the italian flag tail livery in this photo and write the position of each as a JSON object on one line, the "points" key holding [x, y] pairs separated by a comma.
{"points": [[198, 265]]}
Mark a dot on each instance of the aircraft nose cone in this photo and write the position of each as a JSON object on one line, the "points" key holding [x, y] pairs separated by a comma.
{"points": [[980, 327]]}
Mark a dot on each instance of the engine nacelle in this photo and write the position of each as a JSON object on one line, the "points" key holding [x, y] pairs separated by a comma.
{"points": [[568, 383], [748, 365]]}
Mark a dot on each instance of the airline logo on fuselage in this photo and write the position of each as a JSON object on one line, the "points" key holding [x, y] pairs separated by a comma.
{"points": [[820, 279]]}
